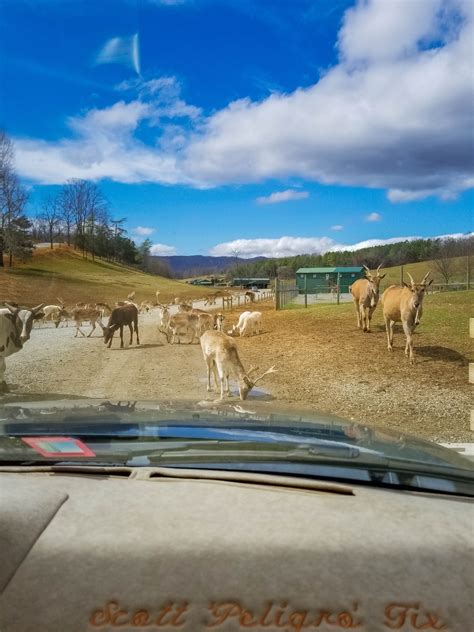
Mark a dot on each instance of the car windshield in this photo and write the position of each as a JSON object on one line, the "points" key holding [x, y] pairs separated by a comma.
{"points": [[238, 236]]}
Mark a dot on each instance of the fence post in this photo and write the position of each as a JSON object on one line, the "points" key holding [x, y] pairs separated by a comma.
{"points": [[339, 288], [468, 273], [306, 290], [401, 275], [277, 294]]}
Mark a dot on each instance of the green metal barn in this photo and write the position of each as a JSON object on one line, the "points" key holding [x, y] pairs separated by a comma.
{"points": [[321, 280]]}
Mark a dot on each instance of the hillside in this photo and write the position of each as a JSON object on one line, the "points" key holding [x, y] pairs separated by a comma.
{"points": [[63, 272], [418, 271], [199, 265]]}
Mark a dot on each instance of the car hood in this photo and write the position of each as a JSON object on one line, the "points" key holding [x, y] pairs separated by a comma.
{"points": [[89, 418]]}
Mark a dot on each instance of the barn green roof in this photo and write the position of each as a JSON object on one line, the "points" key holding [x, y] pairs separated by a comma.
{"points": [[328, 270]]}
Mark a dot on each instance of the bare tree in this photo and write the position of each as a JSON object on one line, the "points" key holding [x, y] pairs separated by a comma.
{"points": [[14, 224], [82, 206], [51, 217], [445, 263]]}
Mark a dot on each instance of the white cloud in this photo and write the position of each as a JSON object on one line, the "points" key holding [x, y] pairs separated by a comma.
{"points": [[162, 250], [281, 247], [143, 231], [337, 227], [395, 118], [103, 147], [164, 93], [395, 113], [373, 217], [282, 196], [381, 30], [290, 246], [399, 195]]}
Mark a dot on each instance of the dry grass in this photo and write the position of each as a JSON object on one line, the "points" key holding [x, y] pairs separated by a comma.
{"points": [[418, 271], [325, 362], [63, 272]]}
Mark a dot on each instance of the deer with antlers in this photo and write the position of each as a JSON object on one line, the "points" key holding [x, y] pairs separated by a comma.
{"points": [[222, 360], [405, 305], [365, 294]]}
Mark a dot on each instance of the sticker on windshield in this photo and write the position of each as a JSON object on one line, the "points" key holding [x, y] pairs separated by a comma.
{"points": [[58, 446]]}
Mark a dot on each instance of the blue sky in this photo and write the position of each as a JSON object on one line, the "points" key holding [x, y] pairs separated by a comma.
{"points": [[226, 125]]}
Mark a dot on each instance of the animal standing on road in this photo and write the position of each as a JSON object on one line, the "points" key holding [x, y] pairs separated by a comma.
{"points": [[222, 360], [123, 316], [15, 329], [179, 325], [53, 313], [405, 305], [88, 312], [365, 294]]}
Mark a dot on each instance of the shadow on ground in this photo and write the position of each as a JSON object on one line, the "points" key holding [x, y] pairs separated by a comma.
{"points": [[441, 353]]}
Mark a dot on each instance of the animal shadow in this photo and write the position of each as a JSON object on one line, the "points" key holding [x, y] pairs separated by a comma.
{"points": [[437, 352], [147, 345]]}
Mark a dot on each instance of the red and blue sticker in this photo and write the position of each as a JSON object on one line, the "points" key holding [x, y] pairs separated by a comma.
{"points": [[58, 446]]}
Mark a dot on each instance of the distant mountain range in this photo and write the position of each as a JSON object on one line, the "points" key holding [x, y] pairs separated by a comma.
{"points": [[183, 267]]}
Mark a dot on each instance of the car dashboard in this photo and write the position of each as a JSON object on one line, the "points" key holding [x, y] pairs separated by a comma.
{"points": [[163, 548]]}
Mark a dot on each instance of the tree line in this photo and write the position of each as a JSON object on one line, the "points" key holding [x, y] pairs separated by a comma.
{"points": [[440, 251], [77, 215]]}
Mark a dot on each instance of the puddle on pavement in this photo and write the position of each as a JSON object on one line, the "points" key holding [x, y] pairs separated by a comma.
{"points": [[256, 393]]}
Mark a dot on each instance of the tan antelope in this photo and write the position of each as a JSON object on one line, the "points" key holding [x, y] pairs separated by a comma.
{"points": [[365, 294], [405, 305], [222, 360]]}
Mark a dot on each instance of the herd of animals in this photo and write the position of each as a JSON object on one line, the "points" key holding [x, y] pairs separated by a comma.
{"points": [[400, 304]]}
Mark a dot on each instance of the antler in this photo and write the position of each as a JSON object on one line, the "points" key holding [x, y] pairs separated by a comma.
{"points": [[270, 370], [251, 370], [411, 278], [425, 278]]}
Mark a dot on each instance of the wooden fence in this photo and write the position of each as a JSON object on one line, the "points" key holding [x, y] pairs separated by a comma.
{"points": [[285, 292], [241, 300]]}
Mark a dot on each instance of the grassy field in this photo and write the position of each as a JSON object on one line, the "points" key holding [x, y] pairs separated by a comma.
{"points": [[445, 314], [418, 271], [63, 272]]}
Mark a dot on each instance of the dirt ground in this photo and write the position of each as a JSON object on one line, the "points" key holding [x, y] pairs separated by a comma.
{"points": [[323, 365]]}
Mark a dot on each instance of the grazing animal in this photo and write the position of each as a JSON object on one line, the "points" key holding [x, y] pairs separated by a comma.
{"points": [[365, 294], [252, 324], [125, 315], [250, 295], [52, 313], [210, 299], [144, 307], [80, 314], [405, 305], [15, 329], [183, 325], [222, 360], [236, 328]]}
